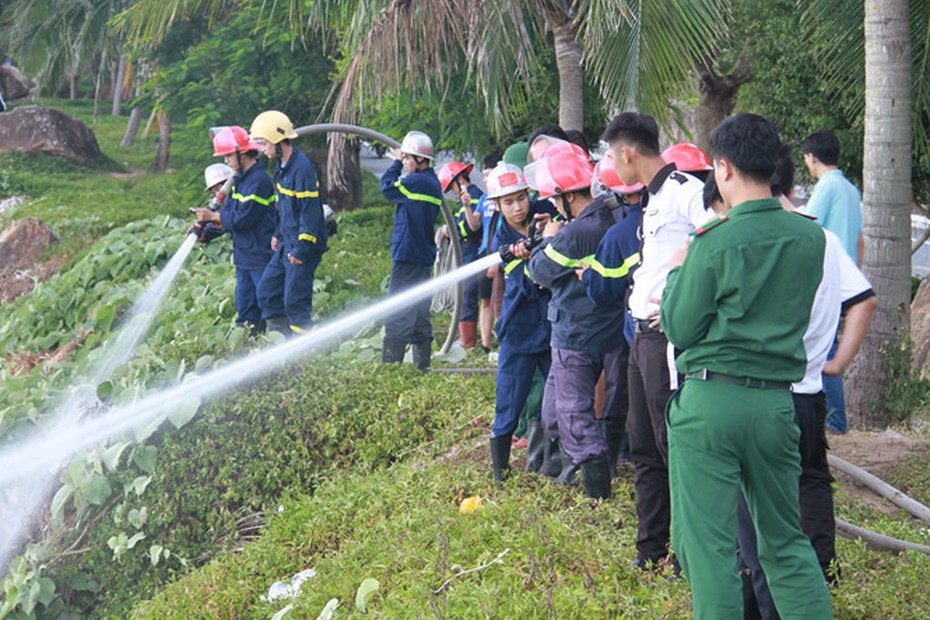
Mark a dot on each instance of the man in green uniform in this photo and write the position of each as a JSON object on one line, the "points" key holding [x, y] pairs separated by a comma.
{"points": [[738, 307]]}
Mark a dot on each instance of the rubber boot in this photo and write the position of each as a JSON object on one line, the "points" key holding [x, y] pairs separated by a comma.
{"points": [[536, 441], [613, 435], [569, 469], [552, 457], [422, 354], [468, 331], [595, 476], [500, 456], [392, 351], [279, 324]]}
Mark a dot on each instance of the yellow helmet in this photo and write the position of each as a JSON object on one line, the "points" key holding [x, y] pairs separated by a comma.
{"points": [[272, 126]]}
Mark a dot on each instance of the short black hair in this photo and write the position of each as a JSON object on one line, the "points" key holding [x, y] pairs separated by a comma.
{"points": [[711, 193], [553, 131], [823, 145], [749, 142], [491, 160], [639, 130], [577, 137], [783, 180]]}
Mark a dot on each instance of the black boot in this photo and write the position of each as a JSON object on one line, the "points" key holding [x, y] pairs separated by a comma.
{"points": [[279, 324], [552, 457], [569, 469], [595, 476], [536, 441], [392, 351], [613, 431], [500, 456], [422, 354]]}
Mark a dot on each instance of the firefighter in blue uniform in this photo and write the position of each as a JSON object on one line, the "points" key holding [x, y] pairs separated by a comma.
{"points": [[586, 339], [249, 216], [286, 289], [418, 197], [523, 329], [454, 178]]}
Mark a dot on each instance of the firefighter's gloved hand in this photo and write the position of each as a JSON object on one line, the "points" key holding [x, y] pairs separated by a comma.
{"points": [[209, 232]]}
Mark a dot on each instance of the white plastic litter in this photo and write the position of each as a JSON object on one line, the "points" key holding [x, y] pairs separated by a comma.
{"points": [[283, 589]]}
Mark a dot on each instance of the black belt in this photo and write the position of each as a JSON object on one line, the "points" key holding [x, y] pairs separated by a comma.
{"points": [[641, 326], [759, 384]]}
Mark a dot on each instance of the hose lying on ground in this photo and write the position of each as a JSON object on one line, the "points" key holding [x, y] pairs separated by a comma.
{"points": [[881, 487], [877, 541]]}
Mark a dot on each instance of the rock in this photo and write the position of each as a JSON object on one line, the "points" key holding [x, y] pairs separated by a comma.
{"points": [[13, 83], [23, 243], [36, 129], [920, 330]]}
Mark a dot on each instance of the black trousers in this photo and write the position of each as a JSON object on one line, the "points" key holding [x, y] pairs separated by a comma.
{"points": [[816, 502], [649, 381], [410, 324]]}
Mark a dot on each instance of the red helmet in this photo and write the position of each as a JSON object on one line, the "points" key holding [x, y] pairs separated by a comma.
{"points": [[687, 158], [544, 145], [450, 171], [559, 171], [232, 139], [605, 176]]}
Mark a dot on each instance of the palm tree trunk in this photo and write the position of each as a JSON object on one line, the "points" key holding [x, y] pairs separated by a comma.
{"points": [[118, 85], [887, 203], [132, 127], [72, 87], [568, 58], [164, 141], [717, 97]]}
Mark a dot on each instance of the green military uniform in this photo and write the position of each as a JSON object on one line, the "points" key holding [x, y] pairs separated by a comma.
{"points": [[738, 308]]}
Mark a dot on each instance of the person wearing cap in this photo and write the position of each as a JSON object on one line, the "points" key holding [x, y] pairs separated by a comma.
{"points": [[214, 176], [523, 330], [737, 304], [248, 213], [286, 288], [490, 221], [586, 339], [418, 196], [689, 158], [673, 206], [453, 177]]}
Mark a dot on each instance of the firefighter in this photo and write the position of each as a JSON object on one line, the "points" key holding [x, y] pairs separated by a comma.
{"points": [[454, 178], [286, 289], [248, 213], [523, 329], [586, 338], [418, 197]]}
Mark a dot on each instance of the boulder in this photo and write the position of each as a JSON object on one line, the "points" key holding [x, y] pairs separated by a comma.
{"points": [[36, 129], [21, 249], [13, 83], [920, 329]]}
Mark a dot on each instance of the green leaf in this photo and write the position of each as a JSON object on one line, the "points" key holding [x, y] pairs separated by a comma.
{"points": [[144, 458], [104, 390], [329, 610], [82, 582], [155, 554], [184, 412], [60, 501], [46, 591], [96, 489], [368, 587], [111, 456], [135, 538], [203, 363], [144, 432], [286, 610], [139, 484], [137, 517]]}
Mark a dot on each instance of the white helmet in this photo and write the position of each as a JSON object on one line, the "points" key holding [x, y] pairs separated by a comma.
{"points": [[418, 144], [216, 173], [505, 179]]}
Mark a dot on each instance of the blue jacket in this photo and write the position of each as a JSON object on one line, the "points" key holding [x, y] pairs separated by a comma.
{"points": [[523, 322], [418, 197], [577, 323], [617, 257], [249, 215], [301, 224], [489, 223]]}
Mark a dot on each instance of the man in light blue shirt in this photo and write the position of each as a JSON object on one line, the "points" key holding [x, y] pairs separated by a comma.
{"points": [[835, 202]]}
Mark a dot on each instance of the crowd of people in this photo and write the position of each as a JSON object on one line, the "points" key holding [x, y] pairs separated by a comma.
{"points": [[675, 310]]}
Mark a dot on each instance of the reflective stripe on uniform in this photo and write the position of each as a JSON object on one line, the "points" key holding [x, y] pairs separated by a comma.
{"points": [[307, 237], [412, 196], [255, 197], [296, 194], [511, 265], [616, 272], [560, 259], [298, 330]]}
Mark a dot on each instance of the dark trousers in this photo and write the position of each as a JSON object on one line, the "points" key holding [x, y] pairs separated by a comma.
{"points": [[410, 324], [515, 372], [568, 400], [247, 307], [470, 285], [649, 389], [287, 290], [816, 503]]}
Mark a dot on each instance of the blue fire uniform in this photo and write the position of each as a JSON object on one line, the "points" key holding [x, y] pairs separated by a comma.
{"points": [[471, 245], [617, 257], [286, 290], [418, 197], [249, 216], [523, 332], [586, 338]]}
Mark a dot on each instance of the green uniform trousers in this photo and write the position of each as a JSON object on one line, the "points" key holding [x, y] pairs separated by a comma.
{"points": [[722, 438]]}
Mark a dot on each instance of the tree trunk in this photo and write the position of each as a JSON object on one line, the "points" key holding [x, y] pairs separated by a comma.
{"points": [[717, 98], [72, 86], [568, 58], [118, 85], [132, 127], [343, 190], [887, 198], [164, 141]]}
